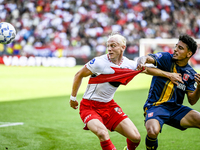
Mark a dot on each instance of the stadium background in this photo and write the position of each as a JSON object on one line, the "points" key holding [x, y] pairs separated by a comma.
{"points": [[79, 28]]}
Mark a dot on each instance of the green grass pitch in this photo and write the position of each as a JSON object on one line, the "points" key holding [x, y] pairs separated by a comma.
{"points": [[38, 97]]}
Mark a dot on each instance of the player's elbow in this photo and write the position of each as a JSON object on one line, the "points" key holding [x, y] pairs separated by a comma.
{"points": [[192, 101], [78, 76], [192, 98]]}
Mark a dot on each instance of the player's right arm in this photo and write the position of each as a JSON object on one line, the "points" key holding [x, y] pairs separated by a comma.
{"points": [[142, 61], [84, 72]]}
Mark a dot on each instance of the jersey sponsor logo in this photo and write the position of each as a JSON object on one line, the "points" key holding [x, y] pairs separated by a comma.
{"points": [[187, 71], [181, 86], [150, 114], [186, 77], [158, 55], [92, 61]]}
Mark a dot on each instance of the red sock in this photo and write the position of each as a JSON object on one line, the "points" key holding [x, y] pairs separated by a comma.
{"points": [[131, 145], [107, 145]]}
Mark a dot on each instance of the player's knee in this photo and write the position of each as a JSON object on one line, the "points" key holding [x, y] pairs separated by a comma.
{"points": [[102, 135], [136, 138], [197, 124], [197, 120], [194, 120], [152, 133]]}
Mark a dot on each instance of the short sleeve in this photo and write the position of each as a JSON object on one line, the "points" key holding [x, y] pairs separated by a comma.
{"points": [[162, 60], [191, 83], [95, 65], [99, 66]]}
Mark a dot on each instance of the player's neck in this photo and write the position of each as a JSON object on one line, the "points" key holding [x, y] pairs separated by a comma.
{"points": [[114, 61], [181, 63], [117, 61]]}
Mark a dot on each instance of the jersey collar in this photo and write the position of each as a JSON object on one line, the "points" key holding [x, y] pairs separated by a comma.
{"points": [[120, 61]]}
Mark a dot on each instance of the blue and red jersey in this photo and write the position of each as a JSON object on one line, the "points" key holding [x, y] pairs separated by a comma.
{"points": [[162, 90]]}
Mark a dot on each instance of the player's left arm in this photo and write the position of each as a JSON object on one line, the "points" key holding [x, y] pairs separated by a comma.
{"points": [[146, 63], [193, 97]]}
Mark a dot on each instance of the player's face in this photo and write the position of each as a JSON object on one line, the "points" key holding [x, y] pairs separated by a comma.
{"points": [[115, 49], [181, 52]]}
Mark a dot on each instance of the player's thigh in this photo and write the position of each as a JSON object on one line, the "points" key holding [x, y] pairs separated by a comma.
{"points": [[153, 127], [191, 119], [98, 128], [127, 128]]}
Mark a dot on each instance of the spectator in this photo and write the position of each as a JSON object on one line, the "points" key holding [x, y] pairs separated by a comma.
{"points": [[46, 19]]}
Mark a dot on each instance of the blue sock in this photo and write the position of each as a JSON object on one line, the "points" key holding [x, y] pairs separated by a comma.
{"points": [[151, 143]]}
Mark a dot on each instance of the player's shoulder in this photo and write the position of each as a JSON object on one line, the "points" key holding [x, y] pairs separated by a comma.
{"points": [[97, 64], [125, 59], [188, 72], [99, 59], [161, 55], [189, 69], [129, 63]]}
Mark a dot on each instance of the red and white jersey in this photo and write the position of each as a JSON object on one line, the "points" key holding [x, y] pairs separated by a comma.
{"points": [[104, 92]]}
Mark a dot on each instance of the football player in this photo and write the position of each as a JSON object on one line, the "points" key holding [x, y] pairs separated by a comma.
{"points": [[165, 99]]}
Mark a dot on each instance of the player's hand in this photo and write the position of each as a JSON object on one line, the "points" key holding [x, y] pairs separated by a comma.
{"points": [[141, 60], [73, 104], [197, 79], [176, 78], [142, 67]]}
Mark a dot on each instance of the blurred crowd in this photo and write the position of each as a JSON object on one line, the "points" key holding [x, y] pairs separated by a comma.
{"points": [[70, 27]]}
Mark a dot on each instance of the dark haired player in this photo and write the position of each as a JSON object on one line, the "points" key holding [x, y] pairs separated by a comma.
{"points": [[164, 103]]}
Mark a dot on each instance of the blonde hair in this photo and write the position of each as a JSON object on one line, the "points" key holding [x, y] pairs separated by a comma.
{"points": [[121, 39]]}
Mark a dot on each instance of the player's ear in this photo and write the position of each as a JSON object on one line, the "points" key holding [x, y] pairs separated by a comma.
{"points": [[189, 54], [123, 47]]}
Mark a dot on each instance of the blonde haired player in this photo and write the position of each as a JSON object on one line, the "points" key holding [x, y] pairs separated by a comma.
{"points": [[98, 110]]}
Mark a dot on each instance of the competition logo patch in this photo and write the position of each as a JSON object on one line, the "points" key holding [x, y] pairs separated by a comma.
{"points": [[92, 61], [150, 114], [158, 55], [186, 77]]}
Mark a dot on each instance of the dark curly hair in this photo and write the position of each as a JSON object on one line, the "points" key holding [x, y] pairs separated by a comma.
{"points": [[190, 42]]}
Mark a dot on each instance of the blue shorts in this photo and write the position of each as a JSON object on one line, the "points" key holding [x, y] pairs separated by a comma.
{"points": [[166, 114]]}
